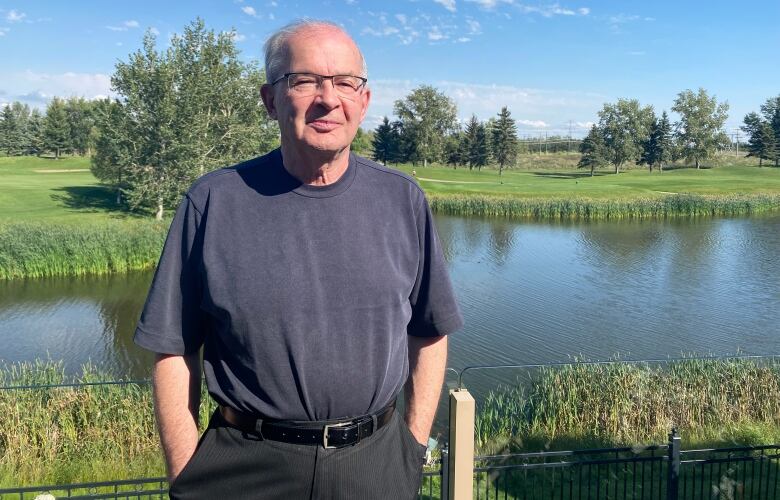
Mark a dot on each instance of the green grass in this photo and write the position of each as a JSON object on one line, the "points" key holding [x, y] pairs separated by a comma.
{"points": [[56, 219]]}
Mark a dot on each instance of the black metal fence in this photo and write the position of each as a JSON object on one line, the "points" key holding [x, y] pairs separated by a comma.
{"points": [[135, 489], [648, 472]]}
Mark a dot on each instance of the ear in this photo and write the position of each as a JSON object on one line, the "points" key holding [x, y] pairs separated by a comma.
{"points": [[365, 98], [267, 94]]}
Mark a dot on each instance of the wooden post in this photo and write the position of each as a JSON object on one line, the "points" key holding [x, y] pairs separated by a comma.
{"points": [[461, 446]]}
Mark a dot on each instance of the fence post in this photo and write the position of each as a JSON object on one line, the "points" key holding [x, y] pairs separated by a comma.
{"points": [[461, 446], [673, 478], [445, 474]]}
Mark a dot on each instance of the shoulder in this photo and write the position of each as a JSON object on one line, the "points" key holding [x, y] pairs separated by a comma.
{"points": [[389, 178], [226, 178]]}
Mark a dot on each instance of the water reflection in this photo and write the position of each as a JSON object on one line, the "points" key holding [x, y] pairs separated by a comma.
{"points": [[530, 293]]}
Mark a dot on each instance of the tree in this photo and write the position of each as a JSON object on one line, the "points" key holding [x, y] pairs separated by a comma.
{"points": [[657, 149], [455, 150], [185, 111], [56, 131], [112, 146], [625, 126], [385, 142], [35, 131], [477, 145], [362, 142], [80, 122], [699, 130], [593, 150], [758, 132], [504, 139], [771, 111], [426, 116], [10, 132]]}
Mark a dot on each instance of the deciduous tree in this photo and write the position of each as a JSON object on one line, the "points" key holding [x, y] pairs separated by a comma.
{"points": [[426, 116], [700, 129]]}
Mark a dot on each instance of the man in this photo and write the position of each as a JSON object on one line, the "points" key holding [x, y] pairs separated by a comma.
{"points": [[315, 282]]}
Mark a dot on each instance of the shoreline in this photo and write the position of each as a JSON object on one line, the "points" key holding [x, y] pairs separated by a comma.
{"points": [[44, 249]]}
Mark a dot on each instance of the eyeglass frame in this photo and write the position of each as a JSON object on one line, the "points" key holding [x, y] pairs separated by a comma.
{"points": [[322, 80]]}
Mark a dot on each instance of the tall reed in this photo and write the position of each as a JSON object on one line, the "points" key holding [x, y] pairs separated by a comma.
{"points": [[62, 435], [619, 404], [678, 205], [36, 250]]}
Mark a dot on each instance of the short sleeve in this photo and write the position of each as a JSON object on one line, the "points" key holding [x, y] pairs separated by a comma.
{"points": [[435, 309], [171, 321]]}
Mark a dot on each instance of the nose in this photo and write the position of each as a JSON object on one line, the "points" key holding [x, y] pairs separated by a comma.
{"points": [[327, 94]]}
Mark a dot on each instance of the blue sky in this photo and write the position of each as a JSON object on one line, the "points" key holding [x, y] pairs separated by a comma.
{"points": [[552, 63]]}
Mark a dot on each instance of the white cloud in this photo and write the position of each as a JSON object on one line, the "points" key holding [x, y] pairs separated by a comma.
{"points": [[401, 18], [124, 26], [447, 4], [154, 31], [274, 4], [38, 88], [533, 108], [490, 4], [474, 27], [583, 11], [532, 123], [464, 39], [623, 18], [271, 16], [14, 16], [249, 11], [385, 31], [3, 31], [435, 34]]}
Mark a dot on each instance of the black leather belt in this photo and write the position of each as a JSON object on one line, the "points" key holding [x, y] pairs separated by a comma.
{"points": [[331, 434]]}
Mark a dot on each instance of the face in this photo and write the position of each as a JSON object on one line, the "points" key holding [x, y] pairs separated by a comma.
{"points": [[324, 122]]}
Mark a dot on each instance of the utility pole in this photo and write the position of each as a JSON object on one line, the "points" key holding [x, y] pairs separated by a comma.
{"points": [[569, 145], [545, 143], [737, 134]]}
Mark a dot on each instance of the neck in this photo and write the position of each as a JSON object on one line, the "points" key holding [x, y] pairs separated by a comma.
{"points": [[315, 168]]}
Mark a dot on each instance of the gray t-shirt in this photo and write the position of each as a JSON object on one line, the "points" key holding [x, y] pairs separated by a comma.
{"points": [[302, 296]]}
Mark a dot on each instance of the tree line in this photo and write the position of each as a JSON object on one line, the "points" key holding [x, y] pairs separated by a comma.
{"points": [[764, 132], [427, 130], [68, 126]]}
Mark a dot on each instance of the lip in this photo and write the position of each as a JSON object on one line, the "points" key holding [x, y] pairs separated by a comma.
{"points": [[323, 125]]}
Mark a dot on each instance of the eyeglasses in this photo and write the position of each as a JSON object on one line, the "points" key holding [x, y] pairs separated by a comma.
{"points": [[308, 84]]}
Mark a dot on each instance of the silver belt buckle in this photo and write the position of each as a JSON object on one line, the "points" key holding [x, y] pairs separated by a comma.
{"points": [[325, 434]]}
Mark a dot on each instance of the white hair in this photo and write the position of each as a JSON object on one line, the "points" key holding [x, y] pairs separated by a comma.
{"points": [[276, 46]]}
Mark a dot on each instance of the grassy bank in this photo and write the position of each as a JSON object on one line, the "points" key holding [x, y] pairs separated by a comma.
{"points": [[56, 219], [710, 402], [41, 249]]}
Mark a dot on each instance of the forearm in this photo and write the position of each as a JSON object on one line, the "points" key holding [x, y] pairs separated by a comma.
{"points": [[427, 362], [176, 389]]}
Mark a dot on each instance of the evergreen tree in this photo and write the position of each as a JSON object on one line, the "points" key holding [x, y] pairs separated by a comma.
{"points": [[771, 111], [504, 139], [35, 134], [755, 128], [384, 143], [478, 148], [593, 150], [10, 132], [455, 153], [701, 122], [657, 149], [80, 123], [770, 150], [56, 131]]}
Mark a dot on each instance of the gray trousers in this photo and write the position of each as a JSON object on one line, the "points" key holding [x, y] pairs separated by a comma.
{"points": [[231, 464]]}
